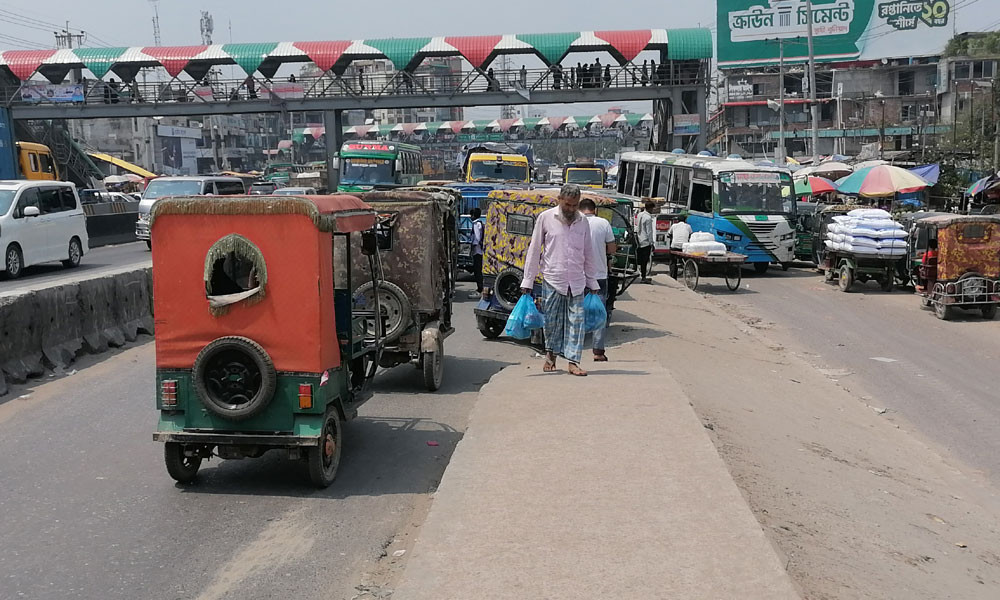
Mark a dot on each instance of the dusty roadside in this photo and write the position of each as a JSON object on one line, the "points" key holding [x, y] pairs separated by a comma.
{"points": [[857, 504]]}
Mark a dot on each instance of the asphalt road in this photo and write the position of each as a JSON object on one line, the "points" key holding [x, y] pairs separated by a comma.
{"points": [[940, 377], [95, 263], [88, 510]]}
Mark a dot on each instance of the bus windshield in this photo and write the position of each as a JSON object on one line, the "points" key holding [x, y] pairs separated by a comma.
{"points": [[585, 176], [368, 171], [491, 170], [755, 193]]}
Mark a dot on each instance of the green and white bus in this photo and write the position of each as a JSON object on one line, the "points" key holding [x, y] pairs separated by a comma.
{"points": [[366, 166], [750, 208]]}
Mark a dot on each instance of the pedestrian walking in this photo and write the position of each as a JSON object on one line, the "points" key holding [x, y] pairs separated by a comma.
{"points": [[602, 248], [653, 73], [251, 88], [361, 79], [478, 231], [560, 250], [556, 77], [607, 76], [645, 73], [645, 234], [491, 81], [523, 76]]}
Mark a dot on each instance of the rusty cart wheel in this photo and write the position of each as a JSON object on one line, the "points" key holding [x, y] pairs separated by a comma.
{"points": [[183, 469], [691, 274], [324, 459], [734, 276]]}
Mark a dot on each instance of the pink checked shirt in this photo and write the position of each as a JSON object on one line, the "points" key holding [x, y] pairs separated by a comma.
{"points": [[561, 251]]}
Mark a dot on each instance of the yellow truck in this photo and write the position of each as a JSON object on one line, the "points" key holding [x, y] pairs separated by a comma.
{"points": [[35, 162]]}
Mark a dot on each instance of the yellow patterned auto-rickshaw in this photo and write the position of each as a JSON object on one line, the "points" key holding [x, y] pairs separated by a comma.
{"points": [[510, 220], [956, 263]]}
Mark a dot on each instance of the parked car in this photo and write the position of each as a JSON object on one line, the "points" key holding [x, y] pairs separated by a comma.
{"points": [[40, 221], [294, 191], [163, 187]]}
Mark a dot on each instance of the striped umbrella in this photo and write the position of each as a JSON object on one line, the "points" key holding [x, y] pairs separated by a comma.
{"points": [[814, 185], [881, 181], [980, 186]]}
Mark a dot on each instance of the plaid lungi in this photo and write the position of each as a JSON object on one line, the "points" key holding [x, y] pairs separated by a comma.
{"points": [[563, 323]]}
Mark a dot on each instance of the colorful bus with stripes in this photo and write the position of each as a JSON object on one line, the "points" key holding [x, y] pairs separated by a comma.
{"points": [[366, 166], [748, 207]]}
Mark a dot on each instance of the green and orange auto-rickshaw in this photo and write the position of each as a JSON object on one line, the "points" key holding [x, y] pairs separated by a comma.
{"points": [[258, 345]]}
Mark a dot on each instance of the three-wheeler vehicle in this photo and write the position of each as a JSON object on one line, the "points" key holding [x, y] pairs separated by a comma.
{"points": [[510, 221], [417, 235], [956, 263], [258, 346]]}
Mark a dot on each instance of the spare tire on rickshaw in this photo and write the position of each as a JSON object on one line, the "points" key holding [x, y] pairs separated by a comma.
{"points": [[234, 378], [394, 304], [507, 288]]}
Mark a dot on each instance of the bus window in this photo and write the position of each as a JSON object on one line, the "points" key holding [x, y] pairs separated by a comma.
{"points": [[46, 164], [623, 172], [681, 186], [646, 186], [663, 182], [701, 197], [629, 180]]}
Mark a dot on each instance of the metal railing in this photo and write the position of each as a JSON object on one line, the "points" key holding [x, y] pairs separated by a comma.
{"points": [[375, 84]]}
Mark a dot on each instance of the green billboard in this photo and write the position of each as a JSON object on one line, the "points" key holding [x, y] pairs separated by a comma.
{"points": [[751, 32]]}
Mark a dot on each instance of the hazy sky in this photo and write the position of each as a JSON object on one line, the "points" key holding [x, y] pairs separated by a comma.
{"points": [[128, 22]]}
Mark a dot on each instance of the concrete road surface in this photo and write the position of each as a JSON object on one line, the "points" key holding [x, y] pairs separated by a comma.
{"points": [[94, 264], [940, 376], [88, 510]]}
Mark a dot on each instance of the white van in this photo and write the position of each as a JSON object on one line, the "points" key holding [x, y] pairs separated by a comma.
{"points": [[163, 187], [40, 221]]}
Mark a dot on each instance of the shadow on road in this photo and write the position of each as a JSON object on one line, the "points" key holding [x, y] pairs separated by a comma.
{"points": [[461, 375], [380, 456]]}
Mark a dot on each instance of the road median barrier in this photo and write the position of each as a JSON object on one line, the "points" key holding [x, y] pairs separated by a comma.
{"points": [[48, 328]]}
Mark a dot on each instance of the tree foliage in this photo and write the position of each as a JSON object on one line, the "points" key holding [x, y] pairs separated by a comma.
{"points": [[984, 44]]}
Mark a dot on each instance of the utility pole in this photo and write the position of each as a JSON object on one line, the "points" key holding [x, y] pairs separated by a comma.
{"points": [[996, 129], [780, 153], [69, 40], [813, 106]]}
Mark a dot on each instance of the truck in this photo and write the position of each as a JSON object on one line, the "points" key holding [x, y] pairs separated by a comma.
{"points": [[585, 173], [493, 166]]}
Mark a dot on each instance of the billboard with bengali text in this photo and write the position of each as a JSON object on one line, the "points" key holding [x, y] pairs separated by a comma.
{"points": [[750, 31]]}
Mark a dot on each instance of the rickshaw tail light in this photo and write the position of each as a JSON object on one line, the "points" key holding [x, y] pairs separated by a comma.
{"points": [[305, 396], [168, 392]]}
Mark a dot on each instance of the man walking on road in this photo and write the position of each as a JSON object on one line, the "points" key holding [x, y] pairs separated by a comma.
{"points": [[477, 250], [645, 233], [602, 247], [561, 250]]}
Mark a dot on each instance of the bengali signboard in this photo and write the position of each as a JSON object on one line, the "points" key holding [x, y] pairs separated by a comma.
{"points": [[686, 124], [47, 92], [749, 30]]}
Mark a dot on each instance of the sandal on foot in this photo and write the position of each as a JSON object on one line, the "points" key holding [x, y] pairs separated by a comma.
{"points": [[576, 371]]}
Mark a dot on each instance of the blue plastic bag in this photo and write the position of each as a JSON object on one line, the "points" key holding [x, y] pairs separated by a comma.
{"points": [[523, 319], [595, 316]]}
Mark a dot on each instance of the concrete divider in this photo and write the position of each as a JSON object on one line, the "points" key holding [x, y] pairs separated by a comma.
{"points": [[48, 328], [111, 222]]}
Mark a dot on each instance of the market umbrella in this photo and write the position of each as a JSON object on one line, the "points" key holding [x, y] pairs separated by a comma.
{"points": [[814, 185], [833, 170], [880, 181], [980, 186], [929, 173]]}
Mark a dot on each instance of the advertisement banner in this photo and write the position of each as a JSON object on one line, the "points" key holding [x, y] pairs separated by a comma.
{"points": [[178, 132], [749, 30], [284, 90], [686, 124], [47, 92]]}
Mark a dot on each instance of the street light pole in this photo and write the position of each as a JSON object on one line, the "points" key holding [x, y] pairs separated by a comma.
{"points": [[814, 107], [780, 153]]}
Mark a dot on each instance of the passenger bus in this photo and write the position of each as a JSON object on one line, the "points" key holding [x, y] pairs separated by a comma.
{"points": [[366, 166], [749, 208], [281, 173]]}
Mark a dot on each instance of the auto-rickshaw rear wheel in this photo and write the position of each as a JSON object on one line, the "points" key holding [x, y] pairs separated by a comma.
{"points": [[181, 468], [989, 311], [324, 459], [433, 367], [942, 310], [491, 328]]}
